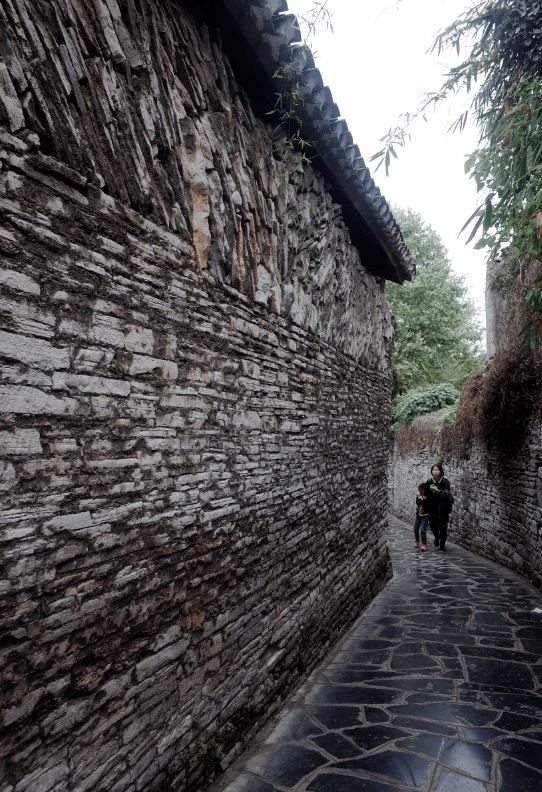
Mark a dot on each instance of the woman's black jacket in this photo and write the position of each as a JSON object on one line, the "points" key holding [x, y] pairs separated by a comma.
{"points": [[440, 504]]}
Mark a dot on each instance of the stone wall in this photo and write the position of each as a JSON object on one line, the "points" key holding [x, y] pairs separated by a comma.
{"points": [[497, 511], [192, 471]]}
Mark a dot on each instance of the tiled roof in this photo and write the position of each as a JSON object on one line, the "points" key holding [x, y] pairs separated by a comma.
{"points": [[269, 30]]}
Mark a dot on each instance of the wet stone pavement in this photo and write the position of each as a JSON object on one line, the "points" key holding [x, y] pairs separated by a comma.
{"points": [[437, 688]]}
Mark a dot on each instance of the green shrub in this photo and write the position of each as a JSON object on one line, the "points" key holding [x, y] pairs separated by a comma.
{"points": [[421, 401], [447, 414]]}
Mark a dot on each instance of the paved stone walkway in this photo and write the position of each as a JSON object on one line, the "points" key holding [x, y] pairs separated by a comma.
{"points": [[437, 688]]}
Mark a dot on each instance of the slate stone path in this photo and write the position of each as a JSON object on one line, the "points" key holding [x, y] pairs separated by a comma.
{"points": [[437, 688]]}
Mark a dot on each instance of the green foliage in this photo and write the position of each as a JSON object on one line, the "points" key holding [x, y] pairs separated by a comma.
{"points": [[293, 147], [502, 71], [437, 338], [532, 308], [421, 401], [447, 414], [212, 750]]}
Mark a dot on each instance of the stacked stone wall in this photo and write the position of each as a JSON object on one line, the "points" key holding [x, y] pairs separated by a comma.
{"points": [[192, 472], [497, 511]]}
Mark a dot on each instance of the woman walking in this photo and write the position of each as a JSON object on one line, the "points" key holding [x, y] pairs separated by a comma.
{"points": [[440, 504]]}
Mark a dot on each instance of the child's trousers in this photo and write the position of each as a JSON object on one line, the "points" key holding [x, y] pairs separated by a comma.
{"points": [[420, 527]]}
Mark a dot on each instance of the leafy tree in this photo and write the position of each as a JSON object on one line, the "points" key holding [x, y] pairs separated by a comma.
{"points": [[437, 337], [502, 70]]}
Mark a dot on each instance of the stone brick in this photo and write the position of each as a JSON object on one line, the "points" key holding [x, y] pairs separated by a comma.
{"points": [[86, 384], [192, 481], [31, 401], [20, 442], [33, 352]]}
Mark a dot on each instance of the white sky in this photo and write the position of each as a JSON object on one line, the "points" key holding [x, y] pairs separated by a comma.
{"points": [[376, 67]]}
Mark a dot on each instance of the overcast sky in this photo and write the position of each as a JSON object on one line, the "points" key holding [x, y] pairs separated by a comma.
{"points": [[376, 65]]}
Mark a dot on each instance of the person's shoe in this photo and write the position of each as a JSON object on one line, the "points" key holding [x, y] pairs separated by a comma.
{"points": [[416, 545], [436, 542], [423, 547], [442, 549]]}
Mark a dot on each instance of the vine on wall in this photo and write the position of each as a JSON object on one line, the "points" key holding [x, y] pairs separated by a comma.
{"points": [[293, 149]]}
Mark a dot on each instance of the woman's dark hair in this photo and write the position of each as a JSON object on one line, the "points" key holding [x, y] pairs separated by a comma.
{"points": [[436, 465]]}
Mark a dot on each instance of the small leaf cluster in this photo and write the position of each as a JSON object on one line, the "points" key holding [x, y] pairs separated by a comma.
{"points": [[293, 148], [421, 401]]}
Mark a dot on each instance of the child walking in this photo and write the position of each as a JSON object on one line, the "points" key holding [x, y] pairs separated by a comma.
{"points": [[422, 518]]}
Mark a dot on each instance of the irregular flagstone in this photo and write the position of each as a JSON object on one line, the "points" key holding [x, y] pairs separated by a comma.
{"points": [[437, 688]]}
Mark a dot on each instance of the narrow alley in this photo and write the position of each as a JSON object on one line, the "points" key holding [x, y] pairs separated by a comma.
{"points": [[437, 687]]}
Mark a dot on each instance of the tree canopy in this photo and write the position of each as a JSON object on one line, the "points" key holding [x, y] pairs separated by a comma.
{"points": [[437, 337], [502, 70]]}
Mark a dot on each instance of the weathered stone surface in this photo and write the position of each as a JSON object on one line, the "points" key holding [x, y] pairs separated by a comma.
{"points": [[193, 472]]}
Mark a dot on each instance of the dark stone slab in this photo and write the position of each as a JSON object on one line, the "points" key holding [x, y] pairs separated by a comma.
{"points": [[378, 657], [392, 632], [474, 715], [400, 767], [451, 663], [441, 713], [435, 686], [412, 662], [369, 737], [294, 726], [336, 745], [332, 782], [409, 647], [523, 750], [498, 673], [337, 717], [344, 675], [376, 715], [457, 674], [531, 633], [523, 705], [526, 618], [437, 649], [286, 765], [452, 623], [457, 592], [424, 698], [380, 620], [468, 757], [451, 782], [340, 694], [511, 721], [499, 654], [480, 735], [458, 639], [535, 647], [405, 722], [502, 643], [484, 618], [532, 735], [368, 644], [515, 777]]}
